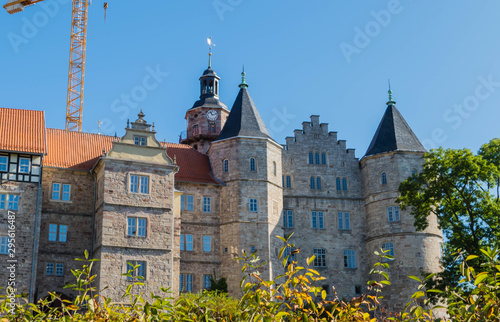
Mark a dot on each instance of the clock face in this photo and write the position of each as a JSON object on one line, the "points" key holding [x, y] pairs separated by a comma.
{"points": [[212, 115]]}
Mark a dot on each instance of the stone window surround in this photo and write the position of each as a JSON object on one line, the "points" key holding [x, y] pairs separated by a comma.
{"points": [[317, 158], [127, 267], [253, 204], [395, 214], [383, 177], [225, 166], [58, 234], [316, 183], [54, 269], [350, 255], [60, 192], [209, 244], [183, 278], [184, 206], [140, 140], [139, 175], [183, 242], [137, 227], [6, 202], [209, 198], [4, 250], [317, 214], [252, 164]]}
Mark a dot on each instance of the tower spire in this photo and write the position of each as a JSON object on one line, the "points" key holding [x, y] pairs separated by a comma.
{"points": [[243, 81], [391, 101], [209, 42]]}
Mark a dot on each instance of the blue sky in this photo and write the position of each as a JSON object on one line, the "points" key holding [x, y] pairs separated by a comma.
{"points": [[331, 58]]}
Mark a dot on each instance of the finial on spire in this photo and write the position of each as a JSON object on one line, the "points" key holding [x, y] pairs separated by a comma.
{"points": [[243, 81], [209, 42], [391, 101], [99, 123]]}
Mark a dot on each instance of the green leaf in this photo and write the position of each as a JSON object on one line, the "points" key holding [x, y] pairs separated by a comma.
{"points": [[470, 257], [415, 278]]}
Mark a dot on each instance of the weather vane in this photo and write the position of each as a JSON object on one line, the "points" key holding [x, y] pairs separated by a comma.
{"points": [[210, 44]]}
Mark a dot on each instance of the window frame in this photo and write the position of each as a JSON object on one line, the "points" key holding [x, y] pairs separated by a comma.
{"points": [[13, 202], [136, 273], [320, 257], [207, 281], [207, 206], [59, 269], [225, 166], [141, 140], [189, 243], [139, 186], [137, 226], [21, 166], [207, 243], [53, 266], [345, 184], [383, 178], [288, 181], [287, 215], [253, 205], [6, 163], [390, 252], [252, 164], [4, 245], [312, 183], [56, 234], [393, 214], [323, 158], [311, 158], [317, 219], [344, 220], [349, 256]]}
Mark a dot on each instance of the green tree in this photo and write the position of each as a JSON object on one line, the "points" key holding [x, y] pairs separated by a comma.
{"points": [[461, 189]]}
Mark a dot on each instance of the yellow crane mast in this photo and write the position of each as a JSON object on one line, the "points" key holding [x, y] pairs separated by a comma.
{"points": [[76, 77]]}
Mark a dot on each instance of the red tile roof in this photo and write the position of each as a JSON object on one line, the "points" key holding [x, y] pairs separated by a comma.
{"points": [[22, 130], [193, 165], [75, 150], [80, 151]]}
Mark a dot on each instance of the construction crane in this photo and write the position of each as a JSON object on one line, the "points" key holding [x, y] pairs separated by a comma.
{"points": [[74, 105]]}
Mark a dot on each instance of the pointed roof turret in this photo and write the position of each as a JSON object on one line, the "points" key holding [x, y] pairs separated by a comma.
{"points": [[393, 133], [244, 119]]}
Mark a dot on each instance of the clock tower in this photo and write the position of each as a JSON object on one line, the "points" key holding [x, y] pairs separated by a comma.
{"points": [[206, 118]]}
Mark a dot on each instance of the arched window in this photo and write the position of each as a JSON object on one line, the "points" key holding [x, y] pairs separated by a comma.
{"points": [[252, 164], [323, 158], [274, 167], [311, 158], [226, 165], [316, 155], [384, 178], [318, 183], [313, 183], [413, 172], [344, 184], [288, 182], [339, 186]]}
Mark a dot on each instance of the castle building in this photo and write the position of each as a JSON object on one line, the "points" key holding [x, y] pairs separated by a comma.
{"points": [[180, 213]]}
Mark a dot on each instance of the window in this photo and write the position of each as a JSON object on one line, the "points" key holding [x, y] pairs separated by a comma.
{"points": [[253, 205], [288, 181], [207, 243], [2, 201], [339, 186], [389, 247], [311, 158], [189, 282], [323, 158], [24, 165], [317, 220], [349, 258], [136, 226], [13, 202], [357, 289], [312, 183], [211, 127], [189, 243], [225, 165], [393, 214], [181, 282], [207, 281], [56, 191], [318, 183], [3, 163], [274, 167], [252, 164], [187, 202], [383, 178], [139, 184], [138, 272], [344, 220], [4, 245], [344, 184], [182, 242], [413, 172], [316, 157], [287, 218], [53, 232], [289, 251], [207, 204], [139, 140], [252, 249], [320, 259], [283, 181], [49, 269], [59, 269]]}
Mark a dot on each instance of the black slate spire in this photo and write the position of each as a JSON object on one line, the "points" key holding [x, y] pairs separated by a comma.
{"points": [[244, 119], [393, 133]]}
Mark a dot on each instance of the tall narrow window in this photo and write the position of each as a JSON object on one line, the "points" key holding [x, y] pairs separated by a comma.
{"points": [[63, 233], [3, 163], [288, 181], [289, 252], [252, 164], [274, 168], [141, 223], [313, 183], [183, 201], [318, 183], [317, 220], [389, 247], [2, 201], [349, 258], [207, 204], [283, 181], [413, 172], [339, 186], [323, 158], [49, 269], [144, 185], [59, 269], [253, 205], [66, 192], [288, 218], [316, 157], [190, 202], [52, 232], [4, 245], [181, 282], [189, 282], [207, 282], [320, 257], [384, 178], [182, 242], [311, 158], [56, 191], [226, 165], [189, 243], [344, 184], [207, 243]]}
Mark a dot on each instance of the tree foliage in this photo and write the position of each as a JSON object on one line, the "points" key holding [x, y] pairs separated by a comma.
{"points": [[462, 189]]}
